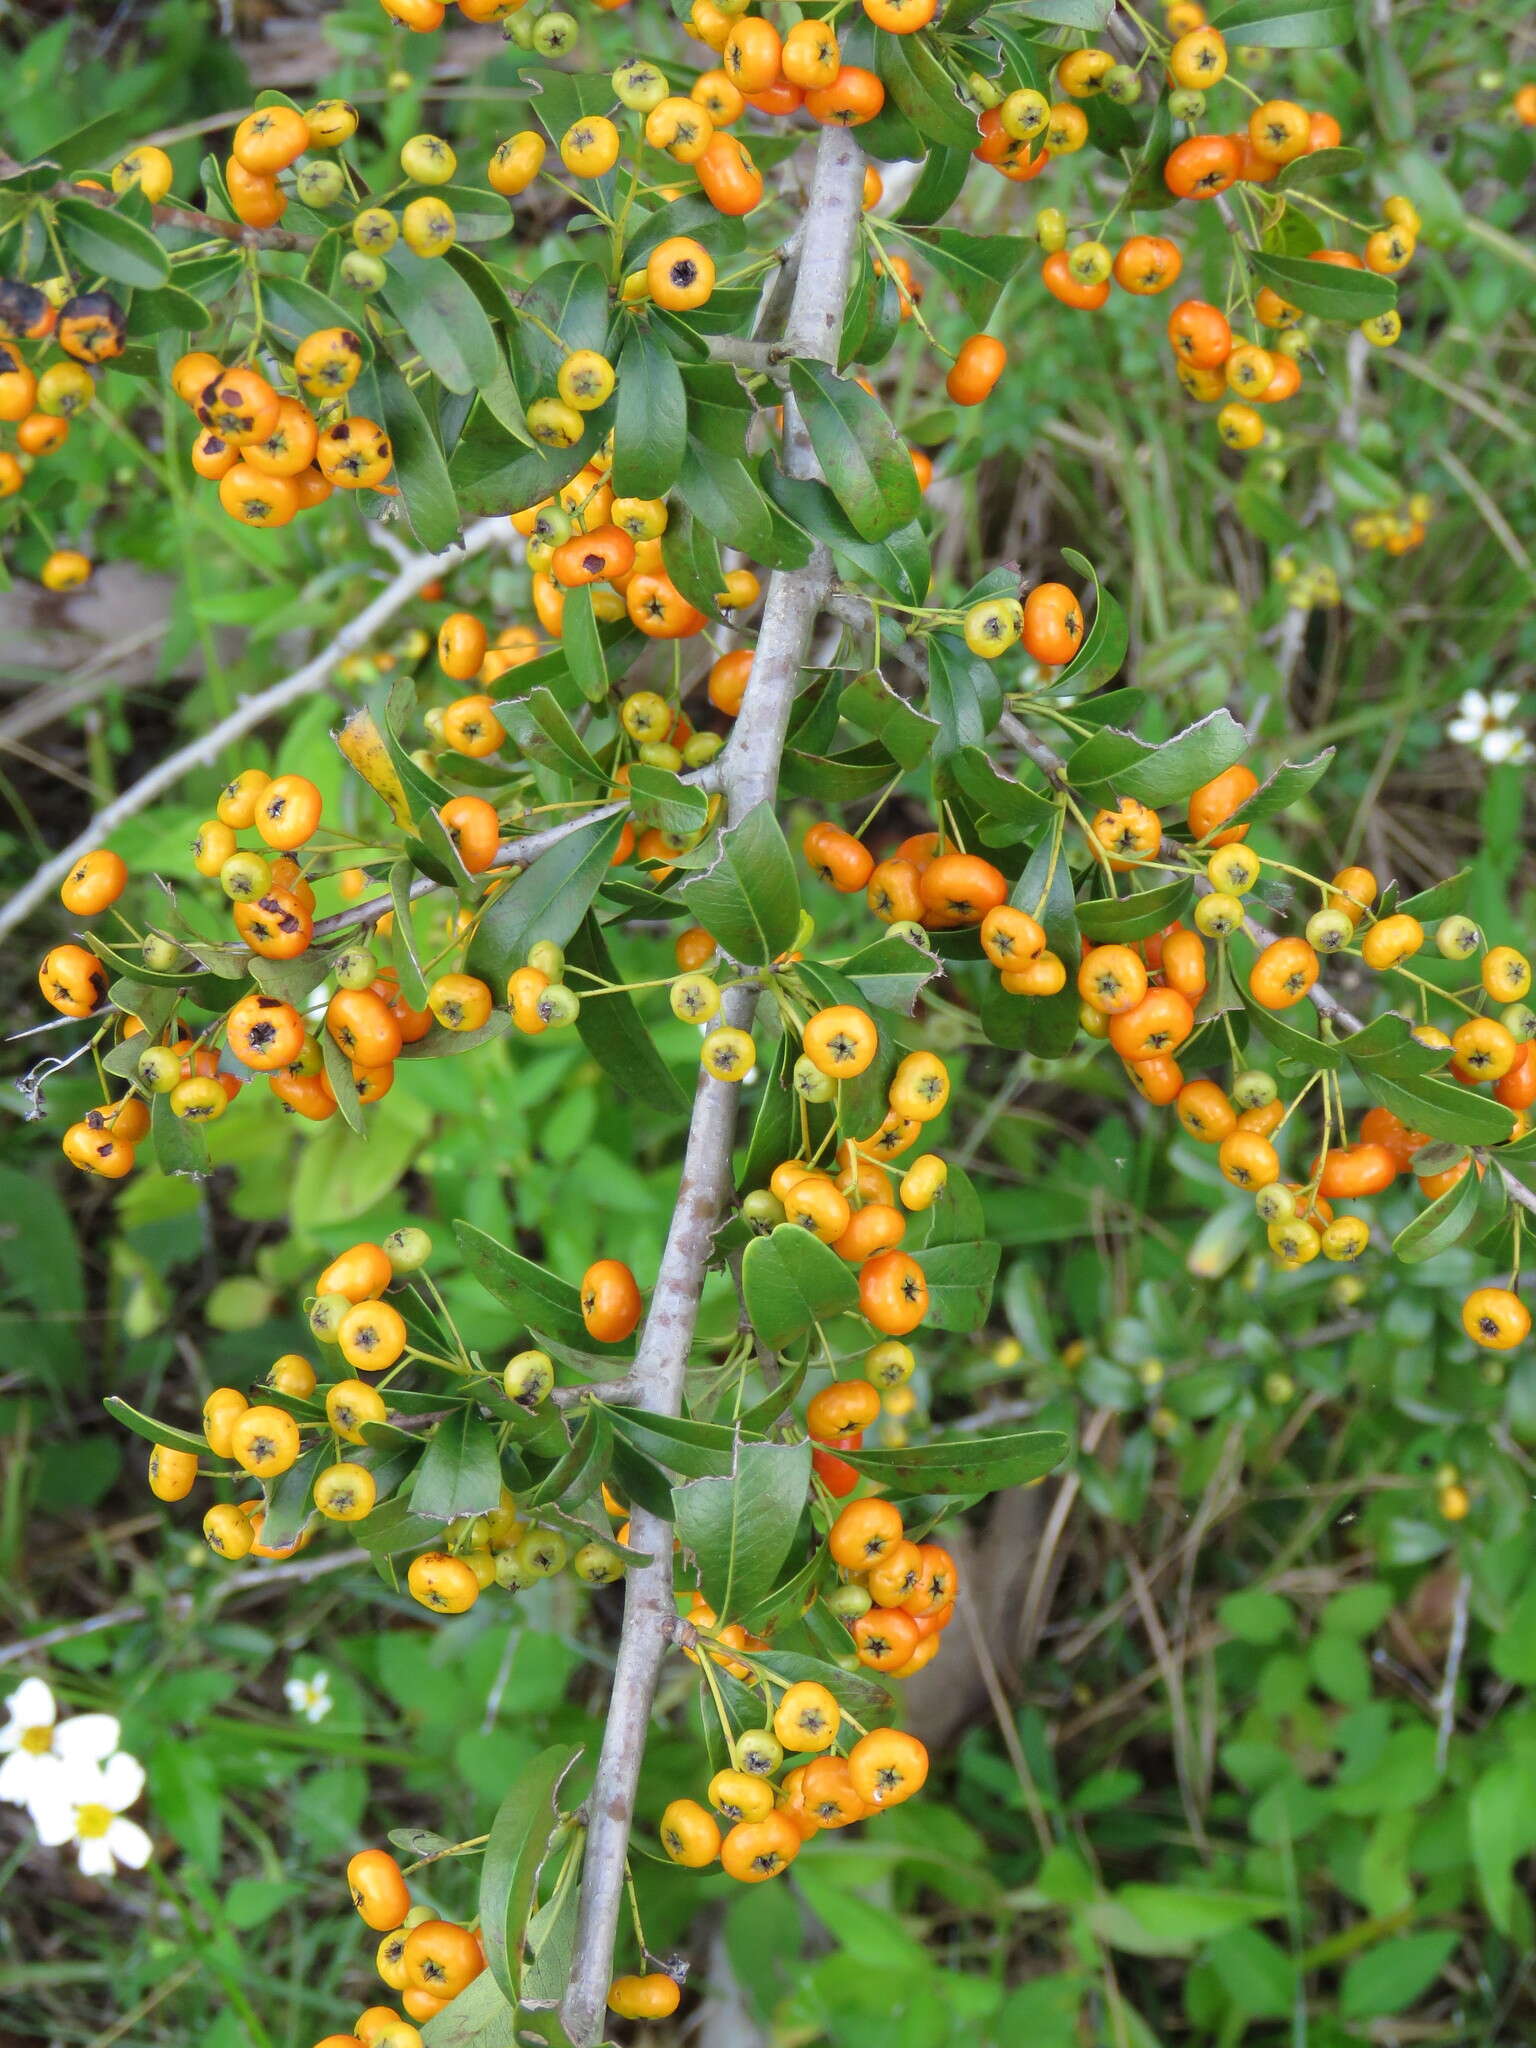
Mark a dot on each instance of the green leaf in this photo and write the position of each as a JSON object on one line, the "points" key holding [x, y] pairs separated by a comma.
{"points": [[86, 148], [1501, 1826], [790, 1281], [535, 1296], [971, 1466], [650, 427], [1256, 1617], [749, 899], [580, 1468], [660, 797], [459, 1473], [960, 1278], [546, 735], [288, 1498], [338, 1071], [154, 312], [939, 184], [154, 1432], [1317, 167], [924, 91], [1287, 24], [699, 1450], [740, 1527], [857, 1692], [107, 241], [975, 267], [549, 901], [181, 1146], [295, 309], [891, 973], [446, 323], [1277, 792], [721, 491], [1044, 1025], [690, 554], [1186, 1914], [1119, 919], [1115, 763], [864, 460], [1438, 1226], [1103, 651], [519, 1841], [613, 1030], [873, 706], [420, 469], [1443, 1109], [1092, 15], [901, 565], [1323, 288], [1388, 1978], [1301, 1047], [964, 695]]}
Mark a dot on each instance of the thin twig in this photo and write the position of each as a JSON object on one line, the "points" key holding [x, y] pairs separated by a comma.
{"points": [[750, 769], [206, 748]]}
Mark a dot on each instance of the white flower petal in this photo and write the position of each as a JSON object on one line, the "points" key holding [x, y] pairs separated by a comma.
{"points": [[129, 1843], [32, 1705], [1501, 704], [1500, 744], [122, 1780], [1466, 732], [87, 1738], [295, 1692], [53, 1815], [1473, 704], [24, 1778], [96, 1857]]}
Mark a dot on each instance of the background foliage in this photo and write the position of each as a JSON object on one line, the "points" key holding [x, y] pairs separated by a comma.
{"points": [[1240, 1747]]}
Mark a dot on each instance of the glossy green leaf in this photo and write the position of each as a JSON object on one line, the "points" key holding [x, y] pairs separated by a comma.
{"points": [[971, 1465], [154, 1432], [580, 1468], [864, 460], [791, 1281], [105, 240], [535, 1296], [1287, 24], [964, 694], [1115, 764], [749, 899], [548, 901], [1301, 1047], [925, 92], [960, 1279], [900, 565], [740, 1526], [1279, 790], [660, 797], [690, 554], [295, 309], [906, 733], [975, 267], [181, 1146], [1323, 288], [698, 1450], [938, 186], [650, 429], [614, 1030], [545, 734], [1444, 1109], [1396, 1972], [1441, 1224], [420, 468], [519, 1841], [459, 1473], [1121, 919], [1103, 651], [445, 322]]}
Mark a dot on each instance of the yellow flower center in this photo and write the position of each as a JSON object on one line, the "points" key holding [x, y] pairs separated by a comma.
{"points": [[37, 1741], [91, 1822]]}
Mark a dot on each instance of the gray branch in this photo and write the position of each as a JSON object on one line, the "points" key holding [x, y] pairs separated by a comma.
{"points": [[749, 776]]}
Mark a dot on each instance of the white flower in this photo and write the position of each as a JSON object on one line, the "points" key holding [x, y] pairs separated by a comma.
{"points": [[35, 1743], [310, 1696], [84, 1803], [1505, 743], [1483, 722]]}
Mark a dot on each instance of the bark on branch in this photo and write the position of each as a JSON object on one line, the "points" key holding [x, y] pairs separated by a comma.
{"points": [[749, 776]]}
